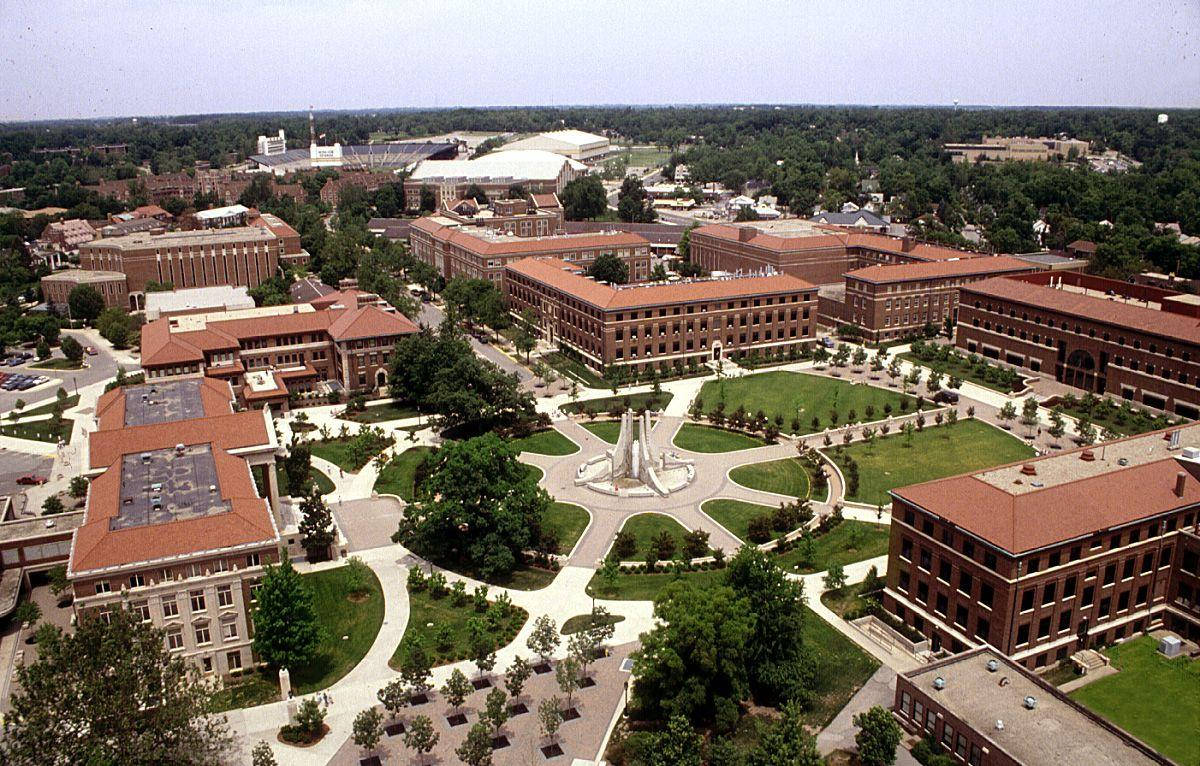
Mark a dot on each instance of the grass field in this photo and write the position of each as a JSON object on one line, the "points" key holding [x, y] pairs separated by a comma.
{"points": [[58, 364], [801, 396], [548, 442], [636, 402], [936, 452], [735, 515], [846, 543], [1153, 698], [785, 477], [48, 407], [397, 476], [358, 621], [452, 621], [566, 521], [644, 527], [40, 430], [378, 413], [698, 438], [573, 368]]}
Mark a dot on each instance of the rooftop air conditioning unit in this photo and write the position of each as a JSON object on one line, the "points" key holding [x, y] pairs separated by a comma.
{"points": [[1030, 702]]}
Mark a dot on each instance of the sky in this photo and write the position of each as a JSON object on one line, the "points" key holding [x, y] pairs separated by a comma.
{"points": [[93, 58]]}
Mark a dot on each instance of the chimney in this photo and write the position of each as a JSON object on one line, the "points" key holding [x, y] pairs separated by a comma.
{"points": [[1180, 481], [907, 244], [745, 233]]}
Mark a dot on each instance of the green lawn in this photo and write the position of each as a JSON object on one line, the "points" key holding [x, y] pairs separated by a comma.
{"points": [[698, 438], [958, 368], [425, 610], [378, 413], [735, 515], [635, 402], [802, 396], [939, 451], [645, 526], [40, 430], [573, 368], [397, 476], [58, 364], [785, 477], [566, 521], [48, 407], [1153, 698], [548, 442], [846, 543], [339, 616]]}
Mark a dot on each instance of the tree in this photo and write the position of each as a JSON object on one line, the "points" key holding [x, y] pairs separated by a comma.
{"points": [[420, 737], [111, 692], [456, 689], [495, 709], [609, 268], [673, 678], [85, 303], [878, 736], [71, 349], [1007, 413], [477, 507], [286, 632], [584, 198], [476, 749], [316, 524], [261, 755], [368, 728], [544, 639]]}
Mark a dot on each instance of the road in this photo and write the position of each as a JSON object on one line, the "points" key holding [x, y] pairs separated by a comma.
{"points": [[431, 316], [100, 367]]}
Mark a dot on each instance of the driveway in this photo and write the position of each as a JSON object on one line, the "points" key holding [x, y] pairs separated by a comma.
{"points": [[368, 523]]}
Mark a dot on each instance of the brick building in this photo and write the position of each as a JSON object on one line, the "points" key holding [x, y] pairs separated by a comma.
{"points": [[1135, 342], [174, 528], [57, 287], [270, 353], [479, 252], [896, 300], [243, 256], [1043, 558], [662, 324], [987, 711], [813, 252]]}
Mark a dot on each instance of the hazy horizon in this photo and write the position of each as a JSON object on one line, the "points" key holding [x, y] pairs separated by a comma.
{"points": [[86, 60]]}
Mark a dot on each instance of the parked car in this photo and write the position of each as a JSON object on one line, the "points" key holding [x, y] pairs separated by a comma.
{"points": [[31, 478], [946, 396]]}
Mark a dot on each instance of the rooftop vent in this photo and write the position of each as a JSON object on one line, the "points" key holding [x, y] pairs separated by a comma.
{"points": [[993, 666], [939, 683], [1029, 470], [1087, 456], [1030, 703]]}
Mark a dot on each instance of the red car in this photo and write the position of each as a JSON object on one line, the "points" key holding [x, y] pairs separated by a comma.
{"points": [[30, 478]]}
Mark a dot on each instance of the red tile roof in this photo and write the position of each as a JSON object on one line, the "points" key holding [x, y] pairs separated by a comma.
{"points": [[567, 277], [1115, 313], [904, 272]]}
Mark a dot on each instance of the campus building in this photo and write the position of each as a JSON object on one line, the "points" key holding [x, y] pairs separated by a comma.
{"points": [[987, 711], [1017, 148], [1135, 342], [661, 324], [539, 172], [244, 255], [174, 527], [813, 252], [479, 252], [271, 353], [1040, 559], [897, 300]]}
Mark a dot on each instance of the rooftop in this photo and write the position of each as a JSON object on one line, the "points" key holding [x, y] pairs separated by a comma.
{"points": [[566, 277], [1044, 501], [1056, 731], [1091, 305]]}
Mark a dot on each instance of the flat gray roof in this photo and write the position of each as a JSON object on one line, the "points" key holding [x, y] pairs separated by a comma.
{"points": [[163, 402], [1056, 731], [166, 485]]}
